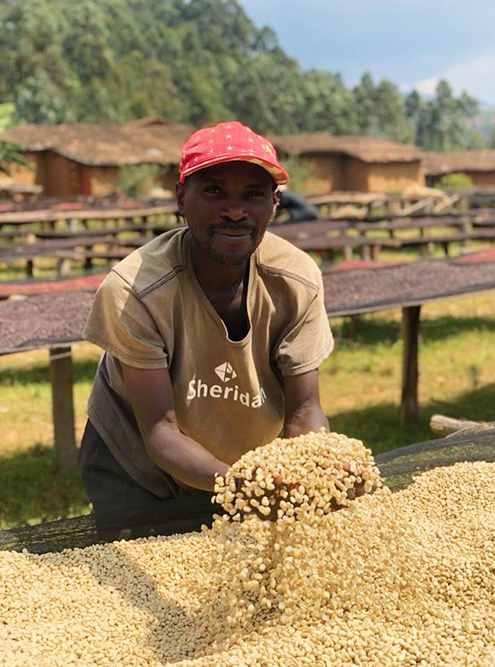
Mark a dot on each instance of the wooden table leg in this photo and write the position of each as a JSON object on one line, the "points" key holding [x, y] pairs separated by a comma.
{"points": [[63, 409], [410, 335], [365, 253]]}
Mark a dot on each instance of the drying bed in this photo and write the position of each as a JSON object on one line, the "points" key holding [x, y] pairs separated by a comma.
{"points": [[410, 283], [58, 317]]}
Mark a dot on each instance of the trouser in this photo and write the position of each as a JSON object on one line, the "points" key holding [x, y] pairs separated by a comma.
{"points": [[117, 498]]}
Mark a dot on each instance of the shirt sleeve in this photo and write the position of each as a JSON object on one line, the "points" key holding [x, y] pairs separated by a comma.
{"points": [[309, 342], [122, 325]]}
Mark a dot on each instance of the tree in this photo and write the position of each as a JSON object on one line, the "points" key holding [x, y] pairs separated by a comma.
{"points": [[197, 62], [380, 110], [327, 104], [9, 152], [440, 124], [476, 141]]}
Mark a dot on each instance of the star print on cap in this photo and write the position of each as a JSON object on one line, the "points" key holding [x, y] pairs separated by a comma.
{"points": [[229, 142]]}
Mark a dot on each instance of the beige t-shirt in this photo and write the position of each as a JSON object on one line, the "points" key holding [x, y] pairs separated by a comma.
{"points": [[151, 312]]}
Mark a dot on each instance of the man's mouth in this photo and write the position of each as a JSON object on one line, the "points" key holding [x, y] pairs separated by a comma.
{"points": [[233, 233]]}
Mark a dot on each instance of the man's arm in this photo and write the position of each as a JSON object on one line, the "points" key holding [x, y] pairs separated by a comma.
{"points": [[303, 411], [151, 396]]}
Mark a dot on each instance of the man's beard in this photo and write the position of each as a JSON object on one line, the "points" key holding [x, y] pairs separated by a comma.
{"points": [[228, 258], [231, 258]]}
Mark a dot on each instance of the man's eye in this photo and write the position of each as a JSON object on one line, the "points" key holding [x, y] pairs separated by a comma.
{"points": [[256, 193], [212, 190]]}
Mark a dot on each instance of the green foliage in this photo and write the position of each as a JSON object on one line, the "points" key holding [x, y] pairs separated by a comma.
{"points": [[197, 62], [136, 180], [440, 124], [9, 153], [476, 141], [456, 180], [328, 105], [380, 110], [7, 111], [300, 174], [32, 491]]}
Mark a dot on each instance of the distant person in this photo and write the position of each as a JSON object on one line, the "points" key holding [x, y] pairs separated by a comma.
{"points": [[296, 206], [213, 335]]}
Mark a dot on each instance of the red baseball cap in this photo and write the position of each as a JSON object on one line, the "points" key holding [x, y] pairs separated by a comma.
{"points": [[229, 142]]}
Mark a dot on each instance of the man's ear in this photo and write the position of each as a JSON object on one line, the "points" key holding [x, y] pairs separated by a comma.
{"points": [[180, 193], [276, 200]]}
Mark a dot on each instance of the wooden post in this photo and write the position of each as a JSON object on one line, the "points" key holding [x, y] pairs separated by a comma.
{"points": [[64, 265], [88, 263], [63, 409], [365, 253], [443, 426], [410, 334]]}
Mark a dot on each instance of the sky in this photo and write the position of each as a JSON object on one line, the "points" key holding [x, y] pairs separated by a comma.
{"points": [[414, 43]]}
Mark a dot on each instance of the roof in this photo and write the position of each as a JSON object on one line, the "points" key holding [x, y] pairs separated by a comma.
{"points": [[160, 141], [436, 163], [365, 148], [150, 140]]}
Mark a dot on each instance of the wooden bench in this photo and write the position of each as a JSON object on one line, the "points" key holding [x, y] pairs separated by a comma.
{"points": [[149, 230], [66, 251], [473, 214], [48, 219], [413, 224], [368, 247], [12, 234], [329, 225], [315, 237], [445, 240]]}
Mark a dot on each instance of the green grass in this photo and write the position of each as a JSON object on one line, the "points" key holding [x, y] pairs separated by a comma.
{"points": [[360, 382], [30, 489], [360, 393], [32, 492]]}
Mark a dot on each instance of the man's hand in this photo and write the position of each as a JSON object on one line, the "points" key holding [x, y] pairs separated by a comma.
{"points": [[355, 491], [276, 490]]}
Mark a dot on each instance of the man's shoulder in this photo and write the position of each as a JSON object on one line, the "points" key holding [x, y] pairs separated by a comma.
{"points": [[154, 264], [278, 257]]}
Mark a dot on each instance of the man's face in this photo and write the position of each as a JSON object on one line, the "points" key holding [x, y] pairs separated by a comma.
{"points": [[227, 208]]}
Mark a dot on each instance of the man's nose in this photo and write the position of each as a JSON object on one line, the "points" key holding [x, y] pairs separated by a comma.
{"points": [[234, 211]]}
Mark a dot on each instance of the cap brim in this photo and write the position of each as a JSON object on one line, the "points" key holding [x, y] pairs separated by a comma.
{"points": [[279, 175]]}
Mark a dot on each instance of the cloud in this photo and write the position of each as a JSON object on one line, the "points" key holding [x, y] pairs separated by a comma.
{"points": [[476, 76]]}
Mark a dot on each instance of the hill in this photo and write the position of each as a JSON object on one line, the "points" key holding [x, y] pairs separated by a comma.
{"points": [[196, 61]]}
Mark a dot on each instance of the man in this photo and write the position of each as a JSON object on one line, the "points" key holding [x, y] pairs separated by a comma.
{"points": [[212, 333], [297, 207]]}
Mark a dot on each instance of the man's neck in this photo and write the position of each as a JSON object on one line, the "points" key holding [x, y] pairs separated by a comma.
{"points": [[213, 276]]}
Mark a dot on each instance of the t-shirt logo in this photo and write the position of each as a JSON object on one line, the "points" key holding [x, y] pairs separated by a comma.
{"points": [[198, 388], [225, 372]]}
